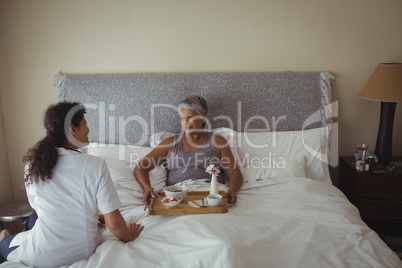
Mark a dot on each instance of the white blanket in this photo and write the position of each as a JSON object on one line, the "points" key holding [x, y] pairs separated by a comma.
{"points": [[276, 223]]}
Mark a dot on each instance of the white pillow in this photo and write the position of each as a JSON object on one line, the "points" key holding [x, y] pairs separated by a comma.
{"points": [[292, 168], [122, 175], [127, 153], [121, 160], [312, 144], [229, 134], [158, 137]]}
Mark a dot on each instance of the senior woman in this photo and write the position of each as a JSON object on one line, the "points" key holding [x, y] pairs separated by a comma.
{"points": [[187, 155]]}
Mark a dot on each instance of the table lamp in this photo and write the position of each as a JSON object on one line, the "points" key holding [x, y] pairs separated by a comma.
{"points": [[385, 85]]}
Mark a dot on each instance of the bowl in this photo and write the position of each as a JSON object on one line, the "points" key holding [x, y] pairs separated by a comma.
{"points": [[176, 191], [170, 203]]}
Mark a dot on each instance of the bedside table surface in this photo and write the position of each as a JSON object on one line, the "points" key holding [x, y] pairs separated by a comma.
{"points": [[15, 210], [378, 196], [397, 170]]}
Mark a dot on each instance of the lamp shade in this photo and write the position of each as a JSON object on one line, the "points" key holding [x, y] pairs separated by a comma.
{"points": [[384, 84]]}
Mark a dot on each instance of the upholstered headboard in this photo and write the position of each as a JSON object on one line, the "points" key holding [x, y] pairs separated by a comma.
{"points": [[129, 108]]}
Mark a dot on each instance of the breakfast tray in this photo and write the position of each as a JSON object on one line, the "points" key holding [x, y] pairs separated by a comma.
{"points": [[157, 208]]}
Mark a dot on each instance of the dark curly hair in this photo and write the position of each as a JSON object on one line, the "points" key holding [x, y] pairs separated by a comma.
{"points": [[43, 156]]}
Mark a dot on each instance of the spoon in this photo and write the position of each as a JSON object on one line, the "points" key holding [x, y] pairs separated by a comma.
{"points": [[157, 194]]}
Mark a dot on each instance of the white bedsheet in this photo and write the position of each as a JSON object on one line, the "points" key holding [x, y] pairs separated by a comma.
{"points": [[276, 223]]}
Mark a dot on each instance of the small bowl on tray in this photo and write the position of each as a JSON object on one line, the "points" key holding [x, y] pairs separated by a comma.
{"points": [[176, 191], [171, 202]]}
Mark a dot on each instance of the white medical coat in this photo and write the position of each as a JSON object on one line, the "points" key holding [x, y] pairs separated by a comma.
{"points": [[68, 207]]}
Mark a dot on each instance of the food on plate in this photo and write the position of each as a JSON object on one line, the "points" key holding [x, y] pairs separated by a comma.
{"points": [[169, 200]]}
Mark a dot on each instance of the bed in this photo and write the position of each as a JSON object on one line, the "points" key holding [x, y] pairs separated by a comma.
{"points": [[279, 127]]}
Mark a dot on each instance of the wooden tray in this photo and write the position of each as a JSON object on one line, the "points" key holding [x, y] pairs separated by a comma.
{"points": [[157, 208]]}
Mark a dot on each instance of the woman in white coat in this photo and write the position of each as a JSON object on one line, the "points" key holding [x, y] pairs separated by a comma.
{"points": [[67, 189]]}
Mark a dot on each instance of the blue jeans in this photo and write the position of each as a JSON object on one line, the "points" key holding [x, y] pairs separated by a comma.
{"points": [[5, 243]]}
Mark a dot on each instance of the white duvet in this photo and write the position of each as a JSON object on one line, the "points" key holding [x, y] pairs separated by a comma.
{"points": [[276, 223]]}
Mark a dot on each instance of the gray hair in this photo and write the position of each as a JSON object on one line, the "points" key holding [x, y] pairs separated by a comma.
{"points": [[196, 103]]}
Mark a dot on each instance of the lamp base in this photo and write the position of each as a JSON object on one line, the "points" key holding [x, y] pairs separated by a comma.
{"points": [[383, 147]]}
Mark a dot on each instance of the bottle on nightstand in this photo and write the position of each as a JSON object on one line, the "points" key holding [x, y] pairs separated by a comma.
{"points": [[371, 162]]}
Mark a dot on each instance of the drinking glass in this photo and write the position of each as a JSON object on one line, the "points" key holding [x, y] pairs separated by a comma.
{"points": [[361, 152]]}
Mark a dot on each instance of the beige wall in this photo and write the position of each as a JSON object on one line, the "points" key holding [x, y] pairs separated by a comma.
{"points": [[6, 189], [41, 37]]}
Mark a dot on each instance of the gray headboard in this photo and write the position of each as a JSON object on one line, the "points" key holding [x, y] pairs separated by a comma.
{"points": [[129, 108]]}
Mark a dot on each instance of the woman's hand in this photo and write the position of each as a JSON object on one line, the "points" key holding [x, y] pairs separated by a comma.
{"points": [[146, 164], [148, 193], [117, 225], [232, 195], [101, 222], [230, 167], [135, 230]]}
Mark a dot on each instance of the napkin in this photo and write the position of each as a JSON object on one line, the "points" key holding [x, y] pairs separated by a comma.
{"points": [[197, 203]]}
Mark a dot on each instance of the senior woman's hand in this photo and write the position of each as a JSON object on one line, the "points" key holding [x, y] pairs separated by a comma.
{"points": [[231, 194], [230, 167], [146, 164], [148, 193]]}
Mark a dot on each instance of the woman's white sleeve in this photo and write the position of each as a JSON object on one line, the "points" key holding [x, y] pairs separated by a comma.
{"points": [[107, 197]]}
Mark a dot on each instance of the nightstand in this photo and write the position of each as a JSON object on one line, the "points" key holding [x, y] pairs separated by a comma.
{"points": [[377, 196]]}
